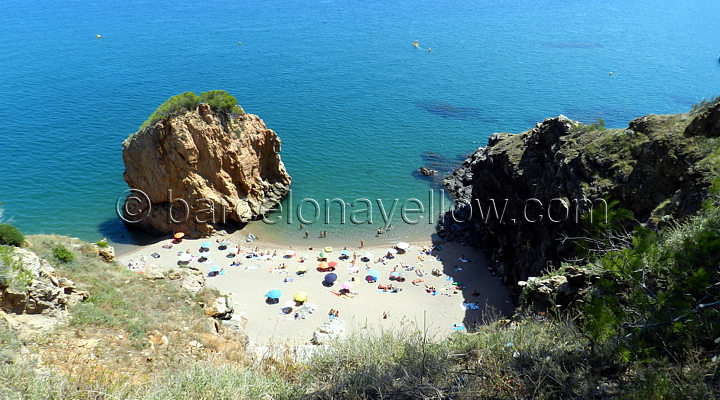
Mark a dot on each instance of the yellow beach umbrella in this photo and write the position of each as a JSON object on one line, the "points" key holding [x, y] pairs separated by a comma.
{"points": [[302, 268], [300, 296], [323, 265]]}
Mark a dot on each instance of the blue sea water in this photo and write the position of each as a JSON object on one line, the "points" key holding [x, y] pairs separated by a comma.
{"points": [[356, 105]]}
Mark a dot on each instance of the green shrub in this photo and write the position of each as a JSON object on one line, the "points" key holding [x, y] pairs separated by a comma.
{"points": [[219, 100], [11, 236], [12, 272], [187, 100], [63, 254], [102, 244]]}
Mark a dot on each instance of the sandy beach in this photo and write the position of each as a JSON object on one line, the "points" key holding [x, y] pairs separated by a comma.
{"points": [[463, 279]]}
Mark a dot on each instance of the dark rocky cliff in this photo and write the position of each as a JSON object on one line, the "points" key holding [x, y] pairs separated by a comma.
{"points": [[659, 168]]}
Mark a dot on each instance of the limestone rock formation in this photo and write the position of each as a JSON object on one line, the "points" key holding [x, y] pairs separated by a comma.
{"points": [[201, 170], [543, 180], [34, 288], [328, 332]]}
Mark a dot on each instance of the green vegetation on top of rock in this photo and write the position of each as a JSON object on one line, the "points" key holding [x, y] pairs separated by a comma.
{"points": [[187, 101], [218, 100], [11, 235]]}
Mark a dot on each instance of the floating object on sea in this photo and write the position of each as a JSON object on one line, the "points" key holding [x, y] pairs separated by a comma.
{"points": [[98, 36], [239, 43], [429, 49], [610, 72], [415, 44]]}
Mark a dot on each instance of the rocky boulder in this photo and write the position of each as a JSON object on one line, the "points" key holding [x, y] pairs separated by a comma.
{"points": [[522, 194], [427, 171], [29, 286], [328, 332], [220, 308], [199, 170]]}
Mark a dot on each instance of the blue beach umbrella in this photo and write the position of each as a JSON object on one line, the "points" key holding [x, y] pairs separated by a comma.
{"points": [[273, 294], [374, 273], [345, 253], [205, 245], [214, 268], [330, 278]]}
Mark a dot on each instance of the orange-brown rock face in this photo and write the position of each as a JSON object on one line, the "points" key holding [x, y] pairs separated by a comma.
{"points": [[196, 171]]}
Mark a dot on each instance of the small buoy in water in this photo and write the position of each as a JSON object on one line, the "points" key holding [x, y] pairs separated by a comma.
{"points": [[415, 44], [98, 36], [429, 49], [610, 72], [239, 43]]}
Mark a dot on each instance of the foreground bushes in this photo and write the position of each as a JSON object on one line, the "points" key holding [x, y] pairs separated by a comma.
{"points": [[11, 236]]}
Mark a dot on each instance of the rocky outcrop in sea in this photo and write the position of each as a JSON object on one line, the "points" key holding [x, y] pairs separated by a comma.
{"points": [[519, 196], [201, 170]]}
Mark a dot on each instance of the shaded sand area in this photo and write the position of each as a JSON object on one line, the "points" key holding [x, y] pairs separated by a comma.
{"points": [[411, 306]]}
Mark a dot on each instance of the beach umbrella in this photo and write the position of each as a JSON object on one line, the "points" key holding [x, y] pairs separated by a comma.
{"points": [[185, 257], [302, 268], [322, 255], [300, 296], [179, 235], [367, 255], [332, 264], [224, 243], [395, 274], [347, 285], [323, 265], [214, 268], [328, 249], [289, 253], [330, 278], [345, 253], [205, 245], [374, 273], [273, 294], [402, 245], [392, 251]]}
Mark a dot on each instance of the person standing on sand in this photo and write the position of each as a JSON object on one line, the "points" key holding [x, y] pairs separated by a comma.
{"points": [[307, 234], [362, 243]]}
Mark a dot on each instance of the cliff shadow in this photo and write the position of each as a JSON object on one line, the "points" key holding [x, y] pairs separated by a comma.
{"points": [[466, 273]]}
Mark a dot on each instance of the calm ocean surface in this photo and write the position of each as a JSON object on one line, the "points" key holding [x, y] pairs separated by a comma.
{"points": [[356, 106]]}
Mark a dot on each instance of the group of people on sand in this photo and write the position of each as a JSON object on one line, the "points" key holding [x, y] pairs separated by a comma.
{"points": [[333, 314]]}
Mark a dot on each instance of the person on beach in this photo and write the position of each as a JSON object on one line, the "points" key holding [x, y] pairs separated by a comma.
{"points": [[301, 226], [307, 234], [362, 243], [331, 314], [337, 314], [379, 231]]}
